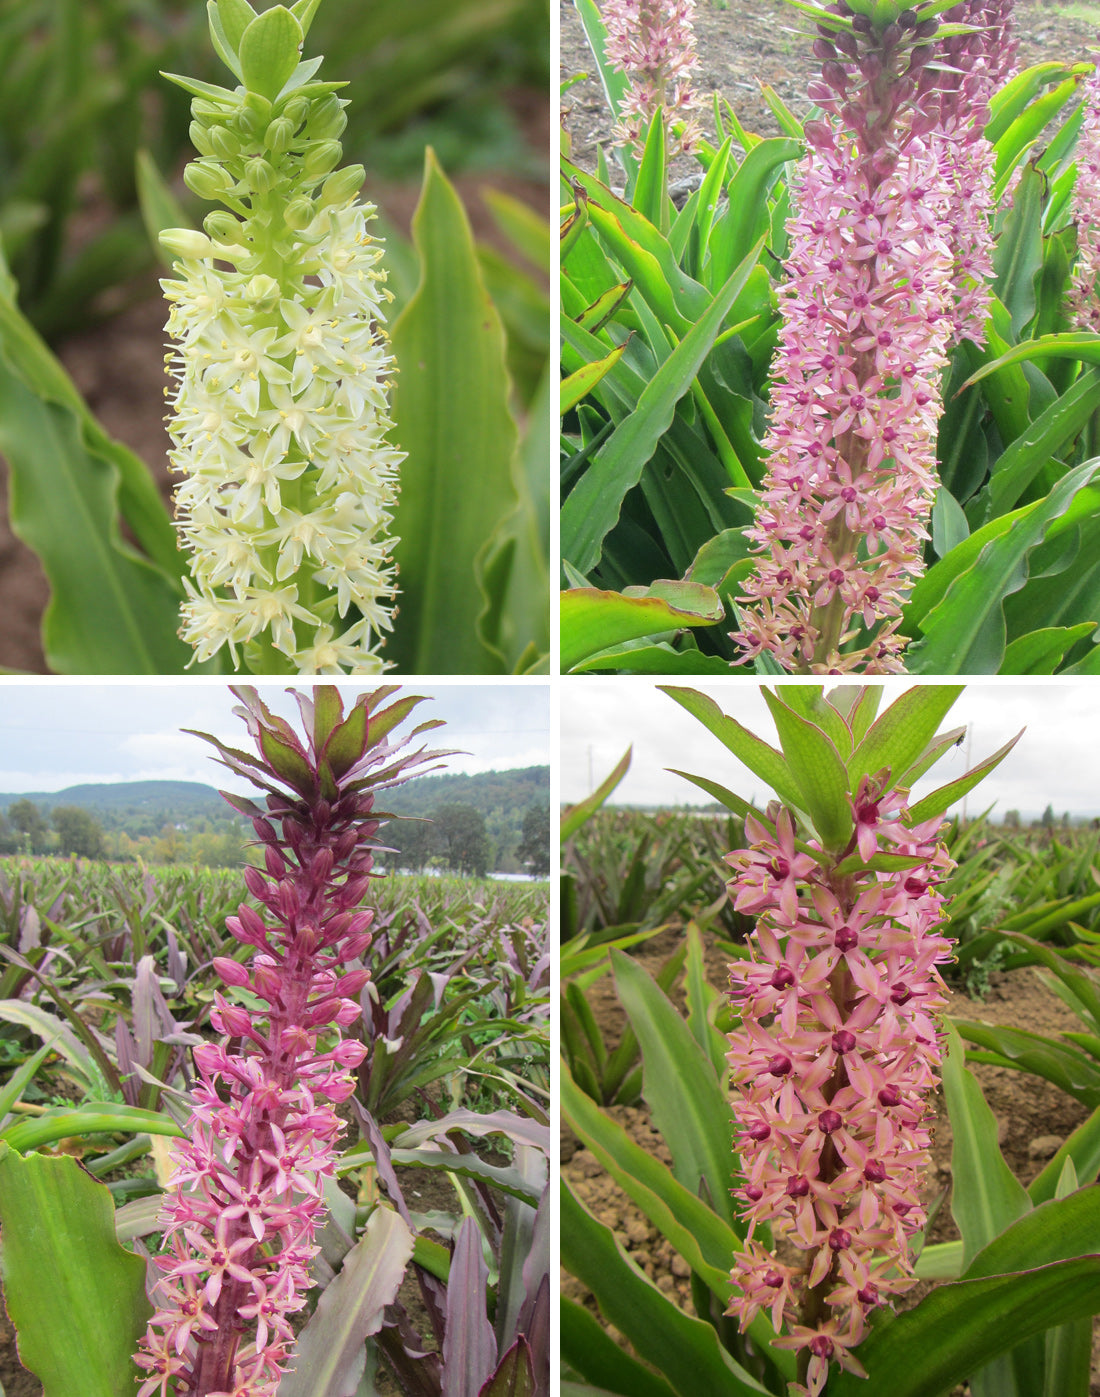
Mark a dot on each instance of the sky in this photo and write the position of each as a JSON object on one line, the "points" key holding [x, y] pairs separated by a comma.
{"points": [[59, 734], [1056, 761]]}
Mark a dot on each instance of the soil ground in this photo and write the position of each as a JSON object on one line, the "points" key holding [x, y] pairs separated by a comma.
{"points": [[744, 43], [1033, 1117]]}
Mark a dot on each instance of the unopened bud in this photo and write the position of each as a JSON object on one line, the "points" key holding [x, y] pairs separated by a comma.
{"points": [[231, 972], [321, 159], [200, 138], [279, 135], [260, 175], [186, 243], [342, 185], [207, 179], [299, 214]]}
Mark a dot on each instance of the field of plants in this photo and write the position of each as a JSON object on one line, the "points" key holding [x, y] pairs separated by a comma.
{"points": [[106, 990], [650, 1145]]}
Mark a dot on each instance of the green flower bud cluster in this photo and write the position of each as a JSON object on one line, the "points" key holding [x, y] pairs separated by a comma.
{"points": [[279, 411]]}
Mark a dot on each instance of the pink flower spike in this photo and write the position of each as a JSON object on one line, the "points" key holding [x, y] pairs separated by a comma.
{"points": [[832, 1061], [247, 1195]]}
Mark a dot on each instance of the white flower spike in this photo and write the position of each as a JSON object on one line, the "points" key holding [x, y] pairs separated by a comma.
{"points": [[280, 407]]}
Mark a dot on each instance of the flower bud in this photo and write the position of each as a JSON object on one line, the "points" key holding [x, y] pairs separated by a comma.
{"points": [[321, 159], [262, 291], [257, 884], [186, 243], [207, 179], [231, 972], [278, 136], [327, 121], [200, 138], [341, 186], [222, 226], [259, 175], [299, 213]]}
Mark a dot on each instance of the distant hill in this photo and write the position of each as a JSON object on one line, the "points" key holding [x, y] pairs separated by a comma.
{"points": [[153, 802], [144, 809], [506, 792]]}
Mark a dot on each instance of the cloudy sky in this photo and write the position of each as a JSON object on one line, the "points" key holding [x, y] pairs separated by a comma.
{"points": [[60, 734], [1057, 760]]}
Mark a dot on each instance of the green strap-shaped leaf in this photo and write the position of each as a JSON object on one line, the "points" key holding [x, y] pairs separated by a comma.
{"points": [[579, 814], [112, 610], [1019, 464], [689, 1105], [592, 620], [452, 417], [987, 1197], [961, 1327], [330, 1356], [685, 1351], [1057, 1062], [588, 1348], [592, 509], [76, 1298], [92, 1118], [1040, 652], [965, 633], [746, 215]]}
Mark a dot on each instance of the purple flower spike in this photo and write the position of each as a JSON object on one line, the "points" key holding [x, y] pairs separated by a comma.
{"points": [[888, 258], [247, 1192], [653, 43], [1084, 295], [832, 1150]]}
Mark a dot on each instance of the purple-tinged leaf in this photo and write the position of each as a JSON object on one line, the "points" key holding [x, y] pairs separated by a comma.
{"points": [[516, 1128], [469, 1347], [127, 1065], [330, 1356], [417, 1368], [346, 743], [382, 1161], [515, 1374], [30, 929], [288, 762]]}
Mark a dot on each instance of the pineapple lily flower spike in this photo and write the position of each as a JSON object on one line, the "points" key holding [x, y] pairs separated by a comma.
{"points": [[838, 1037], [247, 1193], [889, 251], [279, 414]]}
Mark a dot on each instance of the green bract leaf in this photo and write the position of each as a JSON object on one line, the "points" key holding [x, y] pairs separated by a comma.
{"points": [[945, 796], [817, 767], [898, 737], [76, 1298], [269, 51], [756, 754]]}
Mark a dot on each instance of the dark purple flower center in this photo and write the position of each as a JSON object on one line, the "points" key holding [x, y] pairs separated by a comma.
{"points": [[839, 1238], [843, 1041], [889, 1096], [798, 1186], [874, 1171], [845, 938], [782, 977], [821, 1346], [829, 1121], [779, 1065]]}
